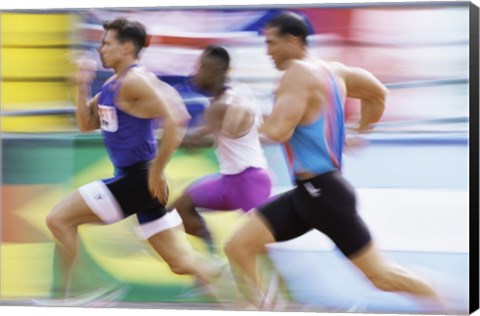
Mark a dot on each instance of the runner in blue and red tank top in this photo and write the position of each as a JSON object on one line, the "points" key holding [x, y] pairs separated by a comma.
{"points": [[308, 118], [126, 110]]}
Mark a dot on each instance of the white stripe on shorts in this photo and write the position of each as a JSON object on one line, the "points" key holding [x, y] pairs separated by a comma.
{"points": [[167, 221], [101, 201]]}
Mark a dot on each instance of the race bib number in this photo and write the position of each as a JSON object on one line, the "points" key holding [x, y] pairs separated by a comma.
{"points": [[108, 118]]}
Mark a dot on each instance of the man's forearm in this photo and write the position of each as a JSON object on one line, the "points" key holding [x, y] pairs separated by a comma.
{"points": [[198, 137], [370, 113], [86, 118], [171, 139]]}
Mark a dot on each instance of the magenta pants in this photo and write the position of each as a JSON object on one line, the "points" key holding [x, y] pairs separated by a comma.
{"points": [[245, 190]]}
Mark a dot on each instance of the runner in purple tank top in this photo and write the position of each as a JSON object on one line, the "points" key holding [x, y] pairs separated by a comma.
{"points": [[125, 110], [243, 181]]}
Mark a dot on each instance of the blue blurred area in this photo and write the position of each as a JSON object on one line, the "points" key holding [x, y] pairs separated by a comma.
{"points": [[331, 284], [431, 162]]}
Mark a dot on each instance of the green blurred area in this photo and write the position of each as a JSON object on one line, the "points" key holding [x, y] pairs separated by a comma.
{"points": [[51, 159]]}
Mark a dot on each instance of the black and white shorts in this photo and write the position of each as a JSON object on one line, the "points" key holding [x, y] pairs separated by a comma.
{"points": [[326, 203], [126, 194]]}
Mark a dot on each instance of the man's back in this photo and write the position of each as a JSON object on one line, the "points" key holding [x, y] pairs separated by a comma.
{"points": [[237, 141]]}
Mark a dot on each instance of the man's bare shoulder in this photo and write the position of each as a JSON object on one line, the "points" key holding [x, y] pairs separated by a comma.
{"points": [[300, 67], [152, 79], [137, 84], [136, 77], [336, 66], [142, 79], [298, 73], [347, 71], [307, 73], [314, 67]]}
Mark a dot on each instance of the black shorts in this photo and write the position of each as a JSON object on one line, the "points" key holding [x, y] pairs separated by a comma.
{"points": [[130, 189], [326, 203]]}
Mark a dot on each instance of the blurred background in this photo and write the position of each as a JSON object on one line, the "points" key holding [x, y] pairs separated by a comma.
{"points": [[412, 177]]}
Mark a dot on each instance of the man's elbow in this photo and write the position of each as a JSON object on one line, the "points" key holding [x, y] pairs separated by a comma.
{"points": [[382, 94], [182, 118], [379, 103], [382, 99], [379, 99]]}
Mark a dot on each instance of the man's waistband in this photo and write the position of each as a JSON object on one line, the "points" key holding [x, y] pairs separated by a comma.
{"points": [[142, 165]]}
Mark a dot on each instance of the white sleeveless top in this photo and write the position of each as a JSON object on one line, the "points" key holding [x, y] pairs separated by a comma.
{"points": [[236, 155]]}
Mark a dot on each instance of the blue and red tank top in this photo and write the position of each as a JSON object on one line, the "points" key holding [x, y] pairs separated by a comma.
{"points": [[128, 139], [317, 147]]}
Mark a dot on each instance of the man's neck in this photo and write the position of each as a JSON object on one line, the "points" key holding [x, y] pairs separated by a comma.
{"points": [[301, 55], [123, 66]]}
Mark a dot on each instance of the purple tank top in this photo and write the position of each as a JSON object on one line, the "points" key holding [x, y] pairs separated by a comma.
{"points": [[128, 139]]}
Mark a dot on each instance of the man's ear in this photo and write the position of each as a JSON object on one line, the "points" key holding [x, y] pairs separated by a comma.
{"points": [[293, 40], [128, 47]]}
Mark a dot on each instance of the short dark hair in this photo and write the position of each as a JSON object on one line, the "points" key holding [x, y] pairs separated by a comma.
{"points": [[128, 31], [220, 53], [291, 23]]}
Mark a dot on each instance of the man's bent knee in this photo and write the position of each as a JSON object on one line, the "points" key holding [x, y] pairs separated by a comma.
{"points": [[237, 247], [183, 204], [194, 226], [180, 267], [230, 248], [250, 238], [52, 222], [55, 222]]}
